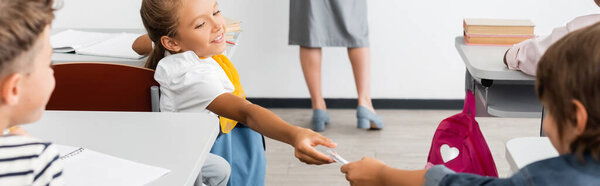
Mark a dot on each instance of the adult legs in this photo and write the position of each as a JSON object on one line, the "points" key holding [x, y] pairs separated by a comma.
{"points": [[310, 59], [361, 66]]}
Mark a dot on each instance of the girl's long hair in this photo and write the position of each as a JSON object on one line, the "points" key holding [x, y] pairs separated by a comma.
{"points": [[160, 19]]}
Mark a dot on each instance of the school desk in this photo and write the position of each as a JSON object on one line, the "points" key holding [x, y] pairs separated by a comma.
{"points": [[521, 152], [502, 92], [179, 142], [71, 57], [499, 91]]}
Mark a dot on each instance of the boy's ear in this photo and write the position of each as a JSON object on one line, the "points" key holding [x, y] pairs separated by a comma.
{"points": [[170, 44], [581, 117], [10, 89]]}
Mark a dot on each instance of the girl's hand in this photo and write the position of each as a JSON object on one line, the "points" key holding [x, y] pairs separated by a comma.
{"points": [[304, 143], [366, 172], [18, 131]]}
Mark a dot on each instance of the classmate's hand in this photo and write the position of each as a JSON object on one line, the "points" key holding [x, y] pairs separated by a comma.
{"points": [[18, 131], [304, 144], [365, 172]]}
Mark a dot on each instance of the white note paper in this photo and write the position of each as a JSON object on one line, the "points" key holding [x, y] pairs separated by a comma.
{"points": [[72, 40], [95, 43], [117, 46], [90, 168]]}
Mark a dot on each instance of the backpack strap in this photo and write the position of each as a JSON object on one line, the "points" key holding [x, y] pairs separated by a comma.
{"points": [[469, 106]]}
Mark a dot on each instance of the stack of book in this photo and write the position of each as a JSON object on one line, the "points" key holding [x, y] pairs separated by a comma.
{"points": [[231, 28], [497, 31]]}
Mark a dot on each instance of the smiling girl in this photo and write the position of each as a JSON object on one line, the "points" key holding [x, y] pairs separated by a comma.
{"points": [[194, 76]]}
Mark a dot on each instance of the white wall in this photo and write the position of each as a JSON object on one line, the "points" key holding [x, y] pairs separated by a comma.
{"points": [[412, 42]]}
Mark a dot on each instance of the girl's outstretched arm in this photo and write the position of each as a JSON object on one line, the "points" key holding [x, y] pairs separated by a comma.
{"points": [[267, 123]]}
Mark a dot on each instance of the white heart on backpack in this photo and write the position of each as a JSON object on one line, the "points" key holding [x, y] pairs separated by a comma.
{"points": [[448, 153]]}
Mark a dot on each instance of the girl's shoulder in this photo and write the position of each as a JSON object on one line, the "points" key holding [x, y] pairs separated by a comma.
{"points": [[184, 58], [182, 62]]}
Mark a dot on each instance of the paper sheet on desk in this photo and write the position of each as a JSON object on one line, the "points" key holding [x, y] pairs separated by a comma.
{"points": [[117, 46], [72, 40], [95, 43], [90, 168]]}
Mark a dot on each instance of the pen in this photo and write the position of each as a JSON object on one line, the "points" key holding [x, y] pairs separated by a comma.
{"points": [[231, 43], [337, 157]]}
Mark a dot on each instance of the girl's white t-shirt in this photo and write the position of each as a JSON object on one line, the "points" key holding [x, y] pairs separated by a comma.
{"points": [[190, 84]]}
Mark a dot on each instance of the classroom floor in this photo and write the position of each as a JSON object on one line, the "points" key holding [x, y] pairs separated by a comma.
{"points": [[404, 143]]}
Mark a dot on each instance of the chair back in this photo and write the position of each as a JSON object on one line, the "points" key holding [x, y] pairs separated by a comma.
{"points": [[103, 87]]}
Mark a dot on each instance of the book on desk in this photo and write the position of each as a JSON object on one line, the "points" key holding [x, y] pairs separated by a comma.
{"points": [[232, 27], [497, 31]]}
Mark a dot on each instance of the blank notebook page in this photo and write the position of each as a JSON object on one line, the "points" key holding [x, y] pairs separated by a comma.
{"points": [[90, 168], [71, 40], [117, 46]]}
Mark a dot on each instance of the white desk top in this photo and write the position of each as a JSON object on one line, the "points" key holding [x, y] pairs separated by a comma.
{"points": [[520, 152], [179, 142], [512, 93], [485, 62]]}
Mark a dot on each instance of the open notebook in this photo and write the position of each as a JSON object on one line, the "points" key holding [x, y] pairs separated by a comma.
{"points": [[95, 43], [90, 168]]}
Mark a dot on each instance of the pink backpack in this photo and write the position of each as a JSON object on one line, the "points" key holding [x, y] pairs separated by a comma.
{"points": [[459, 145]]}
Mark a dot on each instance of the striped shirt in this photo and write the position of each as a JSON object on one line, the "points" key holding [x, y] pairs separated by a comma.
{"points": [[28, 161]]}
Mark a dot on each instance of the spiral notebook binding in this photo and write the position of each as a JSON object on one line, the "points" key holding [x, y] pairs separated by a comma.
{"points": [[71, 154]]}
